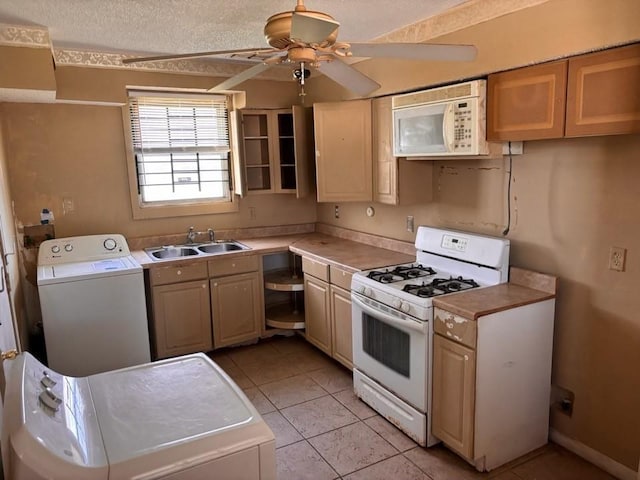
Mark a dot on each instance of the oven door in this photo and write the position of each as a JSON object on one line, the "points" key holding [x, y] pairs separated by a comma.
{"points": [[391, 348]]}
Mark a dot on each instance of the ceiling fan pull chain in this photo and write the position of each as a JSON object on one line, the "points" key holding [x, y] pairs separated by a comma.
{"points": [[302, 76]]}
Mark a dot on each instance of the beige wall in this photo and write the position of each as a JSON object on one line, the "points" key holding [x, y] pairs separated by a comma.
{"points": [[77, 151], [572, 200], [11, 251]]}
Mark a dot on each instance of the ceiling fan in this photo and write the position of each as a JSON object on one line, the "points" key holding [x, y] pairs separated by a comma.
{"points": [[307, 38]]}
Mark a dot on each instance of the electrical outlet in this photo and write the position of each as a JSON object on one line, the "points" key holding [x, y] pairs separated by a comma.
{"points": [[68, 206], [336, 211], [410, 226], [562, 400], [617, 257]]}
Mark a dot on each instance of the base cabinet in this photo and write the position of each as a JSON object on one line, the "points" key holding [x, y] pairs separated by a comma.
{"points": [[181, 315], [492, 382], [327, 306], [317, 313], [454, 373], [341, 339], [235, 309]]}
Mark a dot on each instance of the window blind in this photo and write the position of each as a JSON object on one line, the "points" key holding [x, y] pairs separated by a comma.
{"points": [[181, 146]]}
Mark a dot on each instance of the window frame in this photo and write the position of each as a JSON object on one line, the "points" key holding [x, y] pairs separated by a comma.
{"points": [[147, 210]]}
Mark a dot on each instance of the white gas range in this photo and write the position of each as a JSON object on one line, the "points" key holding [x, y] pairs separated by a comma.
{"points": [[393, 320]]}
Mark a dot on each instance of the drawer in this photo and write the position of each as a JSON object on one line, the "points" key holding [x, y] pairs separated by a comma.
{"points": [[455, 327], [317, 269], [340, 277], [174, 274], [230, 266]]}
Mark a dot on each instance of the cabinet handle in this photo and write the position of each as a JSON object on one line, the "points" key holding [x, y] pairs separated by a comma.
{"points": [[466, 357], [179, 272], [449, 325]]}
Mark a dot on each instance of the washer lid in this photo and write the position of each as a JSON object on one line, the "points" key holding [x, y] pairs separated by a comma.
{"points": [[151, 407], [68, 272]]}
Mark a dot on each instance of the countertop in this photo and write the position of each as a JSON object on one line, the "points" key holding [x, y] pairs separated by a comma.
{"points": [[347, 254], [524, 287]]}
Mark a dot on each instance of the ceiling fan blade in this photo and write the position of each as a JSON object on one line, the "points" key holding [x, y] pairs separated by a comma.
{"points": [[195, 55], [348, 77], [415, 51], [309, 29], [241, 77]]}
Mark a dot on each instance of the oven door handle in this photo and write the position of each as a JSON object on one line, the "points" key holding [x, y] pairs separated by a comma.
{"points": [[390, 319]]}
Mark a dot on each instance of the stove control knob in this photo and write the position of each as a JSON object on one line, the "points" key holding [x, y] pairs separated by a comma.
{"points": [[396, 303], [367, 292], [68, 247], [55, 249], [109, 244], [405, 307]]}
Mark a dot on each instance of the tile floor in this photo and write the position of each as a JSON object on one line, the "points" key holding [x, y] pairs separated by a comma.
{"points": [[323, 431]]}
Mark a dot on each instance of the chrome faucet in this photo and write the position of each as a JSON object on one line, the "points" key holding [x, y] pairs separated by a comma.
{"points": [[191, 235], [212, 235]]}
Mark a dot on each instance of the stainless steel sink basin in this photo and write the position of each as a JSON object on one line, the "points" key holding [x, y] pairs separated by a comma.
{"points": [[221, 247], [173, 252], [204, 249]]}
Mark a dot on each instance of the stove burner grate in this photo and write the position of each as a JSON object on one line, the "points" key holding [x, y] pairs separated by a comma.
{"points": [[399, 273], [440, 286]]}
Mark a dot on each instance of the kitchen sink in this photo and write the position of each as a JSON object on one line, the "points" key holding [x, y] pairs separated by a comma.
{"points": [[172, 252], [221, 247], [203, 249]]}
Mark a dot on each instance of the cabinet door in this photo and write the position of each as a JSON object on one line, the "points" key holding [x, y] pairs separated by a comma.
{"points": [[236, 307], [384, 163], [237, 154], [603, 96], [181, 318], [317, 313], [303, 142], [257, 142], [454, 369], [343, 151], [341, 326], [527, 103]]}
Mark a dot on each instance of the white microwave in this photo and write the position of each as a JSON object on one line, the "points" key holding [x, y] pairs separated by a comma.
{"points": [[441, 122]]}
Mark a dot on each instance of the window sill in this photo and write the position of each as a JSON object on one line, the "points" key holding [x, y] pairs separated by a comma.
{"points": [[163, 211]]}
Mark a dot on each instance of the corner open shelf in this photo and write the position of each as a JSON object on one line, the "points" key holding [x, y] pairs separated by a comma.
{"points": [[284, 290]]}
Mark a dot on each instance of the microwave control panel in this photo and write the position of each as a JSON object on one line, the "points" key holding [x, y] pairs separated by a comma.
{"points": [[463, 127]]}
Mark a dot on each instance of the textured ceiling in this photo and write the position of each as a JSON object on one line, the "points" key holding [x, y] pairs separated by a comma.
{"points": [[184, 26]]}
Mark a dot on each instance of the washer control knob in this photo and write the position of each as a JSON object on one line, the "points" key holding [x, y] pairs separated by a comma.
{"points": [[396, 303], [55, 249], [368, 292], [68, 247], [109, 244], [405, 307]]}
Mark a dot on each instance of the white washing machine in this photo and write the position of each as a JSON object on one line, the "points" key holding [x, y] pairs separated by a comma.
{"points": [[176, 419], [93, 305]]}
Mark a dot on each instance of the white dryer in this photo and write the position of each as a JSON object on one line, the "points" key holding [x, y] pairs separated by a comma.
{"points": [[93, 305], [176, 419]]}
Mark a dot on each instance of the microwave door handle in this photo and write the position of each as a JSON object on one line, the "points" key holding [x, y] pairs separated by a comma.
{"points": [[447, 127], [389, 319]]}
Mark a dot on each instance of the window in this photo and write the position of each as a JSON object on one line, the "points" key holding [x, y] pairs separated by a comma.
{"points": [[181, 153]]}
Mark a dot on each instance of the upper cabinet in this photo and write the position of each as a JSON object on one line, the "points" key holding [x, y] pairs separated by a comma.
{"points": [[592, 94], [276, 149], [344, 170], [603, 96], [528, 103], [395, 181]]}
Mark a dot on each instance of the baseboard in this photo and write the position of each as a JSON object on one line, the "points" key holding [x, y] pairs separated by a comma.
{"points": [[593, 456]]}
